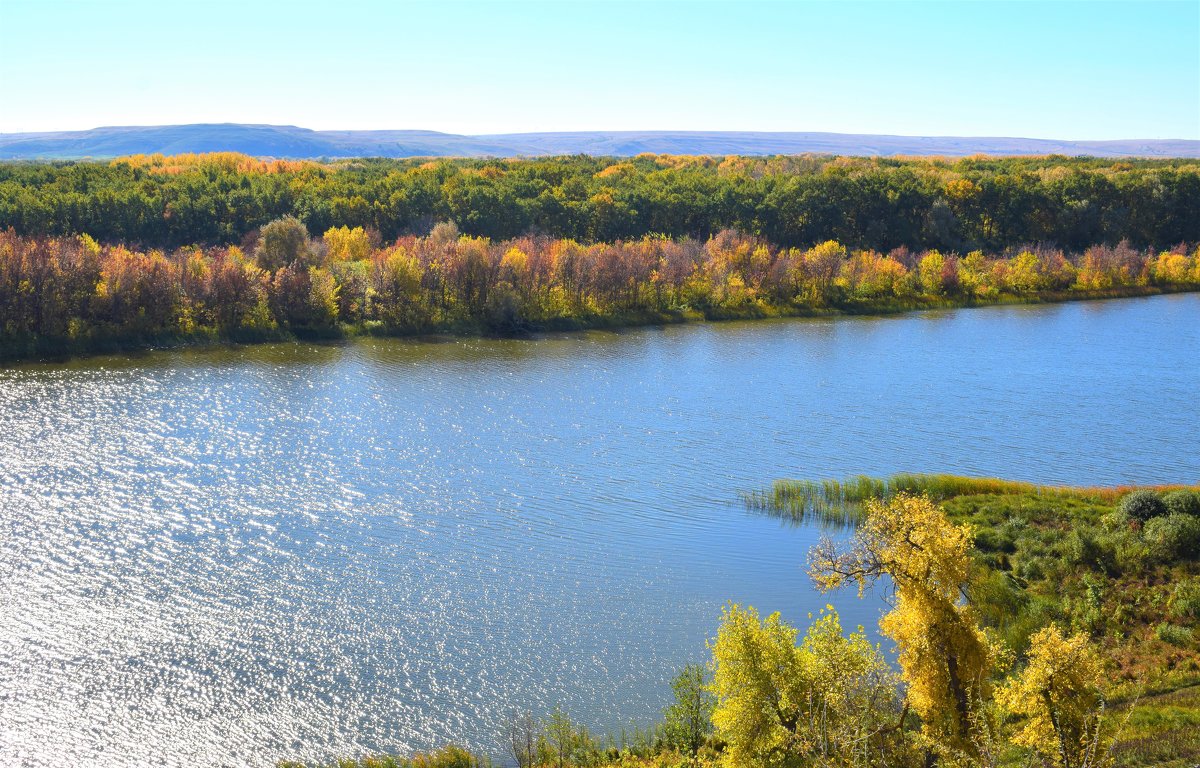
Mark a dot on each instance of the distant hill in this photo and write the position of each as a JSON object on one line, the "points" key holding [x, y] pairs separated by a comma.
{"points": [[285, 141]]}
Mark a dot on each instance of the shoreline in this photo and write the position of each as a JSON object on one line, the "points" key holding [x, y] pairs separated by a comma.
{"points": [[61, 351]]}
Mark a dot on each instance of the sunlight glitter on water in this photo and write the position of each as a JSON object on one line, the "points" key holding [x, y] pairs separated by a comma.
{"points": [[234, 556]]}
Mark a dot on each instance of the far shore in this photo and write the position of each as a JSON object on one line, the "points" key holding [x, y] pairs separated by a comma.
{"points": [[62, 352]]}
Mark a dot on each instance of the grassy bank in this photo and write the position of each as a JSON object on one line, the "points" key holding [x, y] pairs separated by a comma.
{"points": [[840, 502], [1162, 731]]}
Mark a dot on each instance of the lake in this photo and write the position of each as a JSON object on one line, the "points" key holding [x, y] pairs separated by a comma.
{"points": [[236, 555]]}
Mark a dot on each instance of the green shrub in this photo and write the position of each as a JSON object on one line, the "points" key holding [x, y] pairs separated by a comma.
{"points": [[1087, 611], [1032, 569], [1143, 505], [1174, 537], [1094, 552], [282, 242], [1182, 503], [1173, 634], [1116, 520], [1184, 602], [1132, 555], [994, 541]]}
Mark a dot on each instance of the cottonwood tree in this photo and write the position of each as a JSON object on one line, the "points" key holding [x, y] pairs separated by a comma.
{"points": [[829, 700], [945, 657], [1059, 696], [346, 244]]}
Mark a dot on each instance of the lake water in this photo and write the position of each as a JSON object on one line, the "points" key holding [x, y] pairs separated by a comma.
{"points": [[232, 556]]}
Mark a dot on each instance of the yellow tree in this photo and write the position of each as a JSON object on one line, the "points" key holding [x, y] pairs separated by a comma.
{"points": [[1024, 275], [1169, 268], [345, 244], [756, 675], [975, 275], [822, 263], [945, 657], [1059, 696], [930, 270], [831, 698]]}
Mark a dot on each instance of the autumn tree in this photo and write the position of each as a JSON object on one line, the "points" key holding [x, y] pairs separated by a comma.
{"points": [[304, 297], [281, 243], [522, 734], [831, 697], [346, 244], [822, 263], [236, 292], [1023, 273], [396, 287], [1060, 700], [559, 737], [945, 657], [931, 270]]}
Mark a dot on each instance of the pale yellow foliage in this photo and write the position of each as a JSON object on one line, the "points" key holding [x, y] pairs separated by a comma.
{"points": [[1170, 268], [346, 244], [1024, 274], [514, 265], [1058, 695], [944, 655], [930, 270], [778, 701]]}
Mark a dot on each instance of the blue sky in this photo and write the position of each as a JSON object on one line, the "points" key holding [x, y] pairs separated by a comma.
{"points": [[1073, 70]]}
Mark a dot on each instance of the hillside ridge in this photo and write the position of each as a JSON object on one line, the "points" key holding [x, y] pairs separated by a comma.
{"points": [[288, 141]]}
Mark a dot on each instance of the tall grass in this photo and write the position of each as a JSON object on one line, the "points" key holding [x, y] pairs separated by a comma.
{"points": [[842, 503]]}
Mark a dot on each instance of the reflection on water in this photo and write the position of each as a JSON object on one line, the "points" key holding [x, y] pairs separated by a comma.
{"points": [[237, 555]]}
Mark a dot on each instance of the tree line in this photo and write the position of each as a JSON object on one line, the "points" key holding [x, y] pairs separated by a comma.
{"points": [[71, 293], [988, 204]]}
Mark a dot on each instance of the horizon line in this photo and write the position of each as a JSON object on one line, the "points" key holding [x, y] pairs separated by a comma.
{"points": [[641, 131]]}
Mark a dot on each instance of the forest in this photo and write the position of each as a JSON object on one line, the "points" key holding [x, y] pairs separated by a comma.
{"points": [[164, 250], [880, 204], [1033, 626]]}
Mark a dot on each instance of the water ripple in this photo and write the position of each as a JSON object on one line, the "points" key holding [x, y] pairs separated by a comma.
{"points": [[232, 556]]}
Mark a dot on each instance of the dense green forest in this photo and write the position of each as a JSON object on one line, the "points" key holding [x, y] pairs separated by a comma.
{"points": [[958, 205], [1034, 626]]}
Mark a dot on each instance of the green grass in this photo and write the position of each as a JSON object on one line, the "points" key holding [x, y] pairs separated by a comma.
{"points": [[841, 502], [1162, 731]]}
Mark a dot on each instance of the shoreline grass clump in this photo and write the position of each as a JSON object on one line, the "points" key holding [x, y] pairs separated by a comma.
{"points": [[841, 502]]}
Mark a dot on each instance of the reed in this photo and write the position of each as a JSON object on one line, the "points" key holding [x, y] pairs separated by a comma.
{"points": [[842, 503]]}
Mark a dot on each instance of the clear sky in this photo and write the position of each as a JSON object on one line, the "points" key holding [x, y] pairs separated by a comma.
{"points": [[1071, 70]]}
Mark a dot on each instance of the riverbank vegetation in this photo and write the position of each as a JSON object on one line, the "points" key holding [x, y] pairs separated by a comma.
{"points": [[155, 250], [71, 294], [1033, 626]]}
